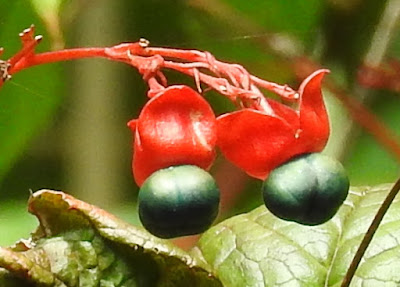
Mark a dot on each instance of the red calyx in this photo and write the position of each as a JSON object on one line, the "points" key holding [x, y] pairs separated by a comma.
{"points": [[258, 141], [177, 126]]}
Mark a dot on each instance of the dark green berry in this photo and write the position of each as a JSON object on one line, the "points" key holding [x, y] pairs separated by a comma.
{"points": [[178, 201], [309, 189]]}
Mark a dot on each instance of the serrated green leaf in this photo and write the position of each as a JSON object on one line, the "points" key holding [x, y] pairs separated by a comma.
{"points": [[78, 244], [258, 249]]}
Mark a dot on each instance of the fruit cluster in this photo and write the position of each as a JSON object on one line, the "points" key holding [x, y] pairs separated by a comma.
{"points": [[177, 133], [175, 138]]}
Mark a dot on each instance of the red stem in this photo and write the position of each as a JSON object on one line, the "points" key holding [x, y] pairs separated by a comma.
{"points": [[230, 80], [220, 67], [222, 85], [140, 56], [57, 56], [26, 49]]}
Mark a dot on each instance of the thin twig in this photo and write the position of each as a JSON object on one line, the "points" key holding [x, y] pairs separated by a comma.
{"points": [[374, 56], [370, 233]]}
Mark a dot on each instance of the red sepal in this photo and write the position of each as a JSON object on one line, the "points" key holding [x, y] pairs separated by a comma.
{"points": [[314, 122], [258, 142], [175, 127]]}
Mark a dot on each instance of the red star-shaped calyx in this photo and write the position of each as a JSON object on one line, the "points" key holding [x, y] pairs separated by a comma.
{"points": [[176, 126], [259, 141]]}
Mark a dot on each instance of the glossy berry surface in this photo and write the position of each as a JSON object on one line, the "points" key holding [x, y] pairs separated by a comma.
{"points": [[309, 189], [178, 201]]}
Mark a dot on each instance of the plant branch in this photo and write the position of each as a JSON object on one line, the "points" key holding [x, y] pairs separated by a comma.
{"points": [[370, 233], [231, 80], [56, 56], [376, 52], [373, 58]]}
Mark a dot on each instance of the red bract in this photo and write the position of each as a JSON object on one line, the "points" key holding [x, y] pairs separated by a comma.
{"points": [[259, 141], [177, 126]]}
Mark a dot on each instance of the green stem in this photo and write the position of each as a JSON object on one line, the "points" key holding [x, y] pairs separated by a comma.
{"points": [[370, 233]]}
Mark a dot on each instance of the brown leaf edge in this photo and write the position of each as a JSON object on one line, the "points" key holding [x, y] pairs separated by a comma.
{"points": [[59, 212]]}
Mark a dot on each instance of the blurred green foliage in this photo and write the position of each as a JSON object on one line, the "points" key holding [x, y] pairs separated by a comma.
{"points": [[263, 36]]}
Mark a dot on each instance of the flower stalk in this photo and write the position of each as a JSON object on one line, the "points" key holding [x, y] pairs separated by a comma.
{"points": [[231, 80]]}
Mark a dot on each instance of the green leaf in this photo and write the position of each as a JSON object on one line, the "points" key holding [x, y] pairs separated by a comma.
{"points": [[258, 249], [78, 244]]}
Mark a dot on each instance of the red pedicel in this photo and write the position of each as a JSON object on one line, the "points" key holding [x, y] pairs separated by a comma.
{"points": [[258, 141], [177, 126]]}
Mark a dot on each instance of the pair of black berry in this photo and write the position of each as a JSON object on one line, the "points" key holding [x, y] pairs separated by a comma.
{"points": [[184, 200]]}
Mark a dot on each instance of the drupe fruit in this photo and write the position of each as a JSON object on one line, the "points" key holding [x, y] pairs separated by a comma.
{"points": [[308, 189], [178, 201]]}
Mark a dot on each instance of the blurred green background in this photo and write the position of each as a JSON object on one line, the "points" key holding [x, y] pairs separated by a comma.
{"points": [[63, 126]]}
